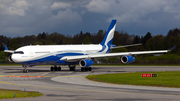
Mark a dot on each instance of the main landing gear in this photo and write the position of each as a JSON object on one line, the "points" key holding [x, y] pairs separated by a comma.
{"points": [[72, 67], [86, 69], [25, 70], [55, 68]]}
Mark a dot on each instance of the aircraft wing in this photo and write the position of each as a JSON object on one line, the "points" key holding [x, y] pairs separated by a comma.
{"points": [[70, 58]]}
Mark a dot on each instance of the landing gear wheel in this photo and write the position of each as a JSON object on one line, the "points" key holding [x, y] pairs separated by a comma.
{"points": [[90, 68], [25, 71], [59, 68], [82, 69], [52, 68], [86, 69], [55, 68], [72, 68]]}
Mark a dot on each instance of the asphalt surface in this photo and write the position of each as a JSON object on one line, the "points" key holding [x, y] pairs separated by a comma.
{"points": [[73, 86]]}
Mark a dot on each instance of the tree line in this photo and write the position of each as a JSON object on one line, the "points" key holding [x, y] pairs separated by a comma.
{"points": [[148, 41]]}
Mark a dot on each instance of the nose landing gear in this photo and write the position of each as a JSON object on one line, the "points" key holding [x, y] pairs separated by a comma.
{"points": [[25, 70]]}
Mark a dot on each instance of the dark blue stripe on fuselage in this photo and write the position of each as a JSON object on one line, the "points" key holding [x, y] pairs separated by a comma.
{"points": [[103, 48], [53, 60], [109, 47]]}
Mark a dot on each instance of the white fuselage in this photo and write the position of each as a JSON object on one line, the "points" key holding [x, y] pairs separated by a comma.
{"points": [[38, 52]]}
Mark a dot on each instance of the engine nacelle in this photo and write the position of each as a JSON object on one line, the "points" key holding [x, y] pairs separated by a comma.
{"points": [[127, 59], [86, 62], [10, 58]]}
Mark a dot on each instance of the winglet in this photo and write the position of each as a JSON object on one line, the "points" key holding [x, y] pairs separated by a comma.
{"points": [[172, 48], [6, 48]]}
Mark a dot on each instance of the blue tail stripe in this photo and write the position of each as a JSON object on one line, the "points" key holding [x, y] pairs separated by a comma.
{"points": [[113, 22]]}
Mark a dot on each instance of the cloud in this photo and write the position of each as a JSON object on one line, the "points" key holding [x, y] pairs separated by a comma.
{"points": [[67, 17], [99, 6], [17, 7], [133, 10], [19, 17], [60, 5], [21, 4]]}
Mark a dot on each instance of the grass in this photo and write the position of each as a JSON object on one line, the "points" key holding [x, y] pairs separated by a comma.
{"points": [[9, 64], [5, 94], [164, 79]]}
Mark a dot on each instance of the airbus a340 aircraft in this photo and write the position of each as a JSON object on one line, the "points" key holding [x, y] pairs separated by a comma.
{"points": [[71, 54]]}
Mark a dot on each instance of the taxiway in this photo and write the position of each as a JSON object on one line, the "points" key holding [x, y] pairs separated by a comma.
{"points": [[72, 86]]}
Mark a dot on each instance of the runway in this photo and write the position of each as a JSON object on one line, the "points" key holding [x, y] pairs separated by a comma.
{"points": [[73, 86]]}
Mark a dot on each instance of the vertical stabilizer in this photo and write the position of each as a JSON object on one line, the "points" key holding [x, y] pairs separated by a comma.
{"points": [[110, 34], [108, 39]]}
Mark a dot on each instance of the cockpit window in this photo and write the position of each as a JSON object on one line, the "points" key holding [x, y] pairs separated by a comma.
{"points": [[18, 52]]}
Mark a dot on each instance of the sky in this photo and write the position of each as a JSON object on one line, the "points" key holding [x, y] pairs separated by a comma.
{"points": [[31, 17]]}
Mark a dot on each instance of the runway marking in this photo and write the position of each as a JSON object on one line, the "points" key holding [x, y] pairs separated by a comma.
{"points": [[27, 76], [85, 89], [6, 82], [31, 76], [1, 75], [21, 84]]}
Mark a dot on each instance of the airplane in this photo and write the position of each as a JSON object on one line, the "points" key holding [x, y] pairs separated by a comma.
{"points": [[72, 55]]}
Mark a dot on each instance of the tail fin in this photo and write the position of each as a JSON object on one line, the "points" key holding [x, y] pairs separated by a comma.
{"points": [[109, 35]]}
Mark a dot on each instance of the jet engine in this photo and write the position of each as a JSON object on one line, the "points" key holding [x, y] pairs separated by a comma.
{"points": [[127, 59], [10, 58], [86, 62]]}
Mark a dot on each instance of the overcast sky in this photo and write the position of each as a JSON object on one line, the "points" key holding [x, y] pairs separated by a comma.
{"points": [[31, 17]]}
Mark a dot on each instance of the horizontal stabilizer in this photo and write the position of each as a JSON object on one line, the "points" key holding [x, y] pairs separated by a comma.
{"points": [[8, 51], [126, 46], [172, 48]]}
